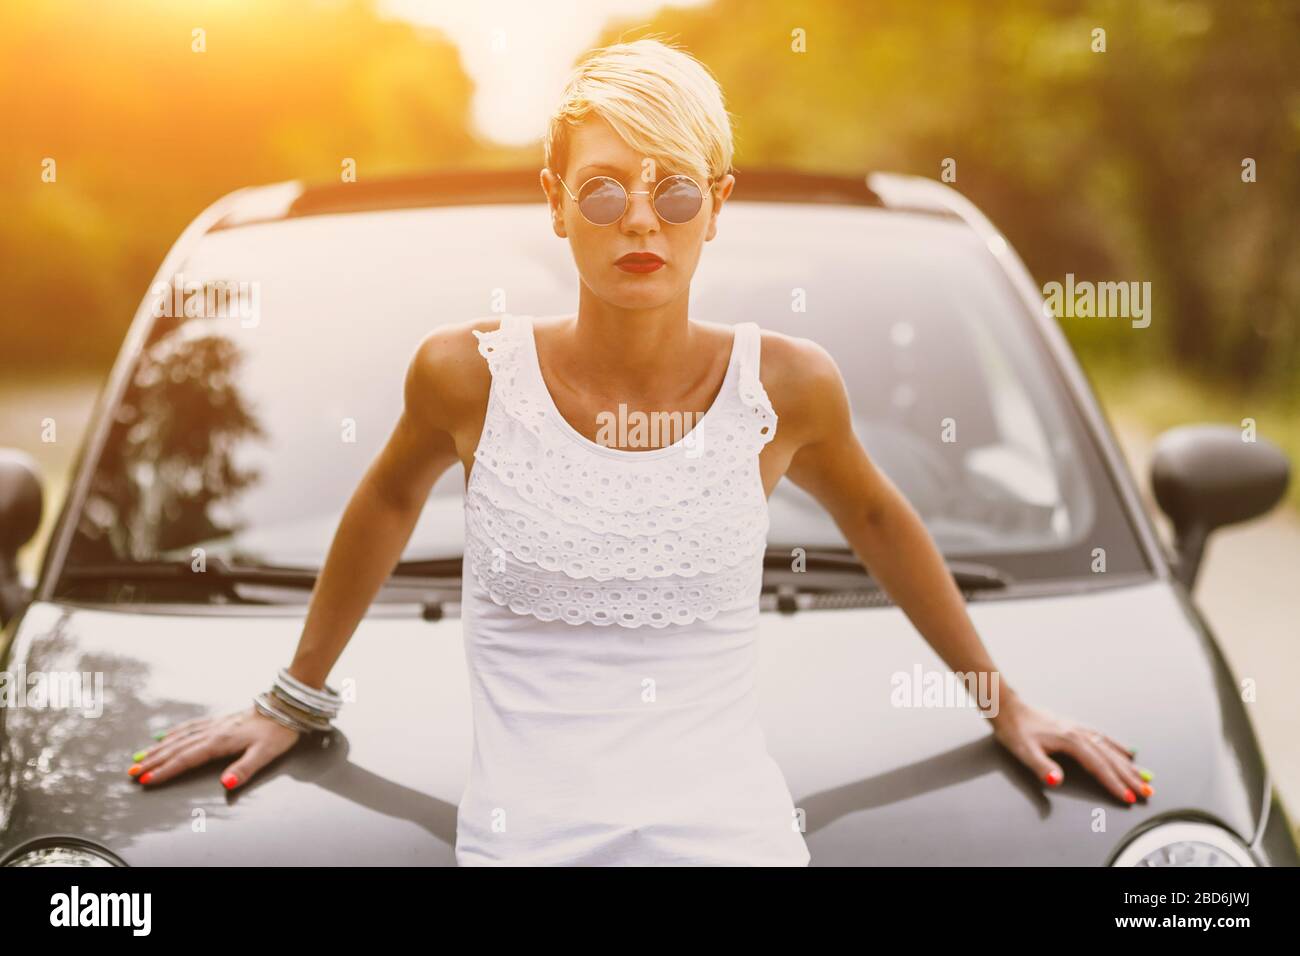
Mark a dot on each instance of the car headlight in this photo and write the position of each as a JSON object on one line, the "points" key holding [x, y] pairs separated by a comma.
{"points": [[1185, 843], [61, 851]]}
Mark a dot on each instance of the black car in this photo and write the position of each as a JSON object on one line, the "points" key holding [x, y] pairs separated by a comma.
{"points": [[264, 371]]}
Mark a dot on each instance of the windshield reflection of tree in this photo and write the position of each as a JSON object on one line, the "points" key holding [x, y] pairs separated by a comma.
{"points": [[169, 457]]}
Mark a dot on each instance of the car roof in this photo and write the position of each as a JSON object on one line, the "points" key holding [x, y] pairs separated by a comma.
{"points": [[512, 186]]}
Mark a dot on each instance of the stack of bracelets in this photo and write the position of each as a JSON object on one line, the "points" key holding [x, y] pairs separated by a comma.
{"points": [[297, 705]]}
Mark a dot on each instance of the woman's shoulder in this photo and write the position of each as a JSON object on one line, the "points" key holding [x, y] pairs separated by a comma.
{"points": [[798, 374], [452, 345], [791, 357], [447, 369]]}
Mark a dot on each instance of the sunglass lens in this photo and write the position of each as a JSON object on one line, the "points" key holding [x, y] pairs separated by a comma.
{"points": [[678, 199], [602, 201]]}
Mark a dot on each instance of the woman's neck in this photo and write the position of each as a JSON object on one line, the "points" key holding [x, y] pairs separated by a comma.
{"points": [[631, 349]]}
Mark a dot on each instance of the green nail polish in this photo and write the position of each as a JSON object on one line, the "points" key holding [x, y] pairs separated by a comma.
{"points": [[139, 755], [160, 735], [1132, 752], [1146, 775]]}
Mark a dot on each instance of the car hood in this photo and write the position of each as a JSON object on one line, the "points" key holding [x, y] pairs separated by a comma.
{"points": [[879, 782]]}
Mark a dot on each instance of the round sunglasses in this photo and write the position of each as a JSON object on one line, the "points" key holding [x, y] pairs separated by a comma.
{"points": [[602, 200]]}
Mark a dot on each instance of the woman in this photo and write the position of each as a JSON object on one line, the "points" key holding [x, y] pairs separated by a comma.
{"points": [[612, 575]]}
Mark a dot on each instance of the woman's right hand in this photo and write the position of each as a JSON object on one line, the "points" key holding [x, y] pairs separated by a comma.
{"points": [[195, 742]]}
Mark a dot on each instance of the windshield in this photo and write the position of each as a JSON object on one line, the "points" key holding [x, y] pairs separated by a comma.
{"points": [[244, 430]]}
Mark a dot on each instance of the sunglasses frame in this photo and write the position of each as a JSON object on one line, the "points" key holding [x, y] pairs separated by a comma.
{"points": [[628, 194]]}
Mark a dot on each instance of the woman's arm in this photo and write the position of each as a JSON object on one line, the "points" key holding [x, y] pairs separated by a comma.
{"points": [[381, 514], [890, 539], [440, 390]]}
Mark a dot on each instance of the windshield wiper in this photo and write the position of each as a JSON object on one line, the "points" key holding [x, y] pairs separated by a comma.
{"points": [[216, 572], [429, 568], [222, 577], [968, 575], [217, 569]]}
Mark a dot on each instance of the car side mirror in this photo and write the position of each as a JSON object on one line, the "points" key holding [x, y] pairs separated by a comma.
{"points": [[21, 504], [1207, 476]]}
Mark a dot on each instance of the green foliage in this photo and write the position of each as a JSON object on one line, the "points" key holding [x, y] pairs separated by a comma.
{"points": [[146, 132], [1123, 165]]}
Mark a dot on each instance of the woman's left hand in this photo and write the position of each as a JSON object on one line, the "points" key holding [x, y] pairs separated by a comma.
{"points": [[1031, 734]]}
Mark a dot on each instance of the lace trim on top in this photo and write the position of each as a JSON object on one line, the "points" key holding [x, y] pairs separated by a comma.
{"points": [[551, 596], [555, 511]]}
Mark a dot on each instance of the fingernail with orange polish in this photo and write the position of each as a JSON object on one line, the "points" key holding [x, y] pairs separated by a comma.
{"points": [[1148, 790], [135, 769]]}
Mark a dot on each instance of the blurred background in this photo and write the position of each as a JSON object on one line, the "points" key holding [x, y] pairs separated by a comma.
{"points": [[1172, 156]]}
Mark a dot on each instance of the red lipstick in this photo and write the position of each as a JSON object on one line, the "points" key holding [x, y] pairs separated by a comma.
{"points": [[639, 262]]}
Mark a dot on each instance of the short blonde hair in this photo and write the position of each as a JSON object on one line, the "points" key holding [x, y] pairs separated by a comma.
{"points": [[662, 101]]}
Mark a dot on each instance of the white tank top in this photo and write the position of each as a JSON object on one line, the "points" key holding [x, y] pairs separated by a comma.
{"points": [[610, 616]]}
